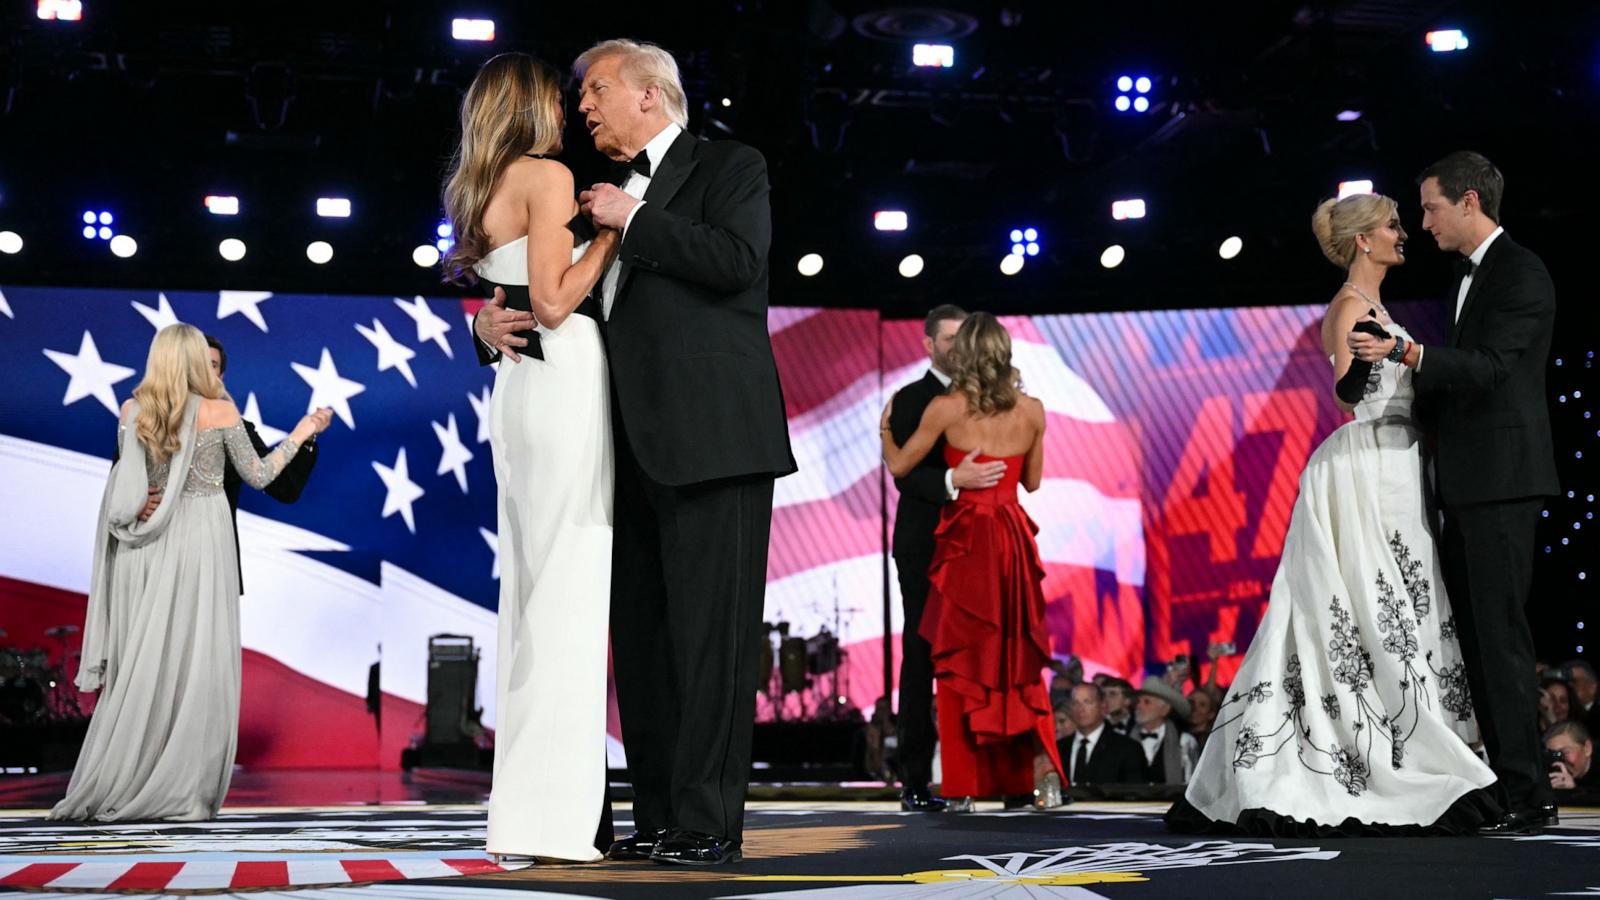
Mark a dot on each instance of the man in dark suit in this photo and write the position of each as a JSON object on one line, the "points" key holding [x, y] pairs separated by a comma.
{"points": [[1097, 754], [922, 492], [1481, 397], [285, 488], [700, 435]]}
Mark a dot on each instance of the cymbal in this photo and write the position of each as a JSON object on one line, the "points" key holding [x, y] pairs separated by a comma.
{"points": [[62, 630]]}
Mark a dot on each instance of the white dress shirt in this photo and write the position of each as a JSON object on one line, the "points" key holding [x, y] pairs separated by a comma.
{"points": [[1477, 260], [635, 187], [950, 491], [1091, 739], [1151, 748]]}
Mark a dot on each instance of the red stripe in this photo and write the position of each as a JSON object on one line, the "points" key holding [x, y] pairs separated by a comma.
{"points": [[1103, 454], [472, 866], [371, 870], [260, 874], [146, 876], [37, 874], [820, 356], [822, 532]]}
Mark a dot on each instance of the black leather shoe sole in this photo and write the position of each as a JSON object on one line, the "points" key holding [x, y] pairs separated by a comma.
{"points": [[672, 859]]}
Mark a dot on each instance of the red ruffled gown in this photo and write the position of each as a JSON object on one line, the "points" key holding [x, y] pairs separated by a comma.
{"points": [[985, 621]]}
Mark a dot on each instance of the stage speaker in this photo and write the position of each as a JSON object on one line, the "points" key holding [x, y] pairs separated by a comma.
{"points": [[452, 690]]}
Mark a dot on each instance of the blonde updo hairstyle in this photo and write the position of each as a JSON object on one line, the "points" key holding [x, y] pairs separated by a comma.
{"points": [[983, 371], [1337, 222]]}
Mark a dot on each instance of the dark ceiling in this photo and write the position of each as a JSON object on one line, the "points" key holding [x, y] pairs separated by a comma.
{"points": [[145, 108]]}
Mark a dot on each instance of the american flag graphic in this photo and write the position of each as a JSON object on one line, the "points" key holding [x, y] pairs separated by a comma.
{"points": [[393, 538]]}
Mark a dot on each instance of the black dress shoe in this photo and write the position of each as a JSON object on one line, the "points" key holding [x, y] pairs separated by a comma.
{"points": [[692, 848], [1517, 822], [920, 799], [638, 845], [1551, 813]]}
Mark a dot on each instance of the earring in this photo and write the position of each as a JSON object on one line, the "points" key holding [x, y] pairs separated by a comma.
{"points": [[1366, 249]]}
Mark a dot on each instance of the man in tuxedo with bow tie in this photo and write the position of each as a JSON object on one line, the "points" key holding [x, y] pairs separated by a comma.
{"points": [[1482, 398], [700, 436]]}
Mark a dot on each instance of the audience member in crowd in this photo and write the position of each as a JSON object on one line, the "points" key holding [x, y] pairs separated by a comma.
{"points": [[1202, 713], [1096, 754], [1169, 751], [1580, 676], [1064, 728], [881, 742], [1119, 705], [1555, 703], [1060, 692], [1571, 757]]}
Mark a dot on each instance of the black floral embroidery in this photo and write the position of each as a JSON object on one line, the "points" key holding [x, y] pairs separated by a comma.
{"points": [[1374, 379], [1350, 770], [1454, 695], [1293, 685], [1447, 629], [1330, 706], [1393, 621], [1248, 748], [1418, 587], [1260, 693], [1353, 664]]}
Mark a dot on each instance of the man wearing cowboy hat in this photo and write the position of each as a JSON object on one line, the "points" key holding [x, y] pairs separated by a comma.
{"points": [[1169, 750]]}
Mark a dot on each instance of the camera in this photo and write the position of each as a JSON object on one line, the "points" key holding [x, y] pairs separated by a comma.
{"points": [[1554, 759]]}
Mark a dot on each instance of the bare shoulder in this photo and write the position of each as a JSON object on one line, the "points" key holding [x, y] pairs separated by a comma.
{"points": [[948, 406], [1033, 408], [539, 174], [127, 407], [219, 413]]}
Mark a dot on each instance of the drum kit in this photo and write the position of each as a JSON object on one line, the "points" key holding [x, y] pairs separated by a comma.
{"points": [[810, 670], [35, 691]]}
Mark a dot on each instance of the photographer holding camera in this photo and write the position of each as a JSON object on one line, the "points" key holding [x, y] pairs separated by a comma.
{"points": [[1571, 757]]}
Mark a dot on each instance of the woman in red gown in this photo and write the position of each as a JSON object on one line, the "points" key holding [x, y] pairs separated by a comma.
{"points": [[985, 613]]}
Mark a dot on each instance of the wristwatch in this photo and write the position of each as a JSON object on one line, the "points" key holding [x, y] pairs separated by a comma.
{"points": [[1398, 354]]}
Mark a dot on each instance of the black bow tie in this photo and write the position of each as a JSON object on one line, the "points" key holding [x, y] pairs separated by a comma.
{"points": [[640, 164], [1149, 735], [1465, 267]]}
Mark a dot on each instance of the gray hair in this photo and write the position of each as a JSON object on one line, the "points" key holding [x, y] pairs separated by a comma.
{"points": [[644, 65]]}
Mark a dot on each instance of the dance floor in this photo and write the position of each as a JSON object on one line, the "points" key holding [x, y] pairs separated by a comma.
{"points": [[417, 843]]}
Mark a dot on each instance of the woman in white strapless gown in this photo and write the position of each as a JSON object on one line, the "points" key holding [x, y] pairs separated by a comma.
{"points": [[550, 433], [1350, 712]]}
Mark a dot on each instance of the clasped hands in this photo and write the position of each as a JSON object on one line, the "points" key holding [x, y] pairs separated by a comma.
{"points": [[1369, 347]]}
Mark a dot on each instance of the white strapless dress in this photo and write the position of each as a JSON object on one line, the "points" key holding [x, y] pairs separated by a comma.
{"points": [[550, 430]]}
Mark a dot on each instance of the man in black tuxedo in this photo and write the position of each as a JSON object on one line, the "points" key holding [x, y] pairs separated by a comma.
{"points": [[700, 436], [1481, 397], [285, 488], [1099, 755], [922, 492]]}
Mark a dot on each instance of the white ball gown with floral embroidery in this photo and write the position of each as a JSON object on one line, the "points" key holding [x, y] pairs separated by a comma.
{"points": [[1352, 701]]}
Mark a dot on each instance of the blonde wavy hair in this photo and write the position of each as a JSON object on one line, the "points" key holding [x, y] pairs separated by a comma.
{"points": [[178, 366], [643, 65], [983, 370], [513, 107], [1337, 222]]}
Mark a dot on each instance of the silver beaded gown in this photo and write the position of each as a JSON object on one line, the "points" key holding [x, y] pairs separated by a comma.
{"points": [[161, 640]]}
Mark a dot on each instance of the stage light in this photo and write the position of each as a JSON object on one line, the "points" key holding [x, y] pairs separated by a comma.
{"points": [[10, 242], [442, 245], [333, 207], [1123, 103], [105, 218], [890, 220], [1030, 234], [1018, 249], [810, 264], [1141, 104], [1230, 247], [1016, 235], [1349, 115], [105, 232], [1033, 249], [1351, 188], [472, 29], [444, 230], [1125, 83], [222, 206], [319, 252], [1142, 85], [1113, 256], [1446, 41], [89, 218], [60, 10], [934, 56], [426, 256], [88, 232], [727, 102], [232, 249], [911, 266], [1127, 209], [1011, 264], [123, 246]]}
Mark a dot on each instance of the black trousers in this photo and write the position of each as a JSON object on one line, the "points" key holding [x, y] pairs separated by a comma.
{"points": [[915, 716], [1487, 552], [688, 579]]}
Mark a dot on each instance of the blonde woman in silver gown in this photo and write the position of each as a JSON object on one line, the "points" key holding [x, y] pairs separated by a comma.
{"points": [[161, 639]]}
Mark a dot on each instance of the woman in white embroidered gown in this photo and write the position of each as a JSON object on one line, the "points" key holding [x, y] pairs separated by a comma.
{"points": [[517, 231], [161, 638], [1350, 712]]}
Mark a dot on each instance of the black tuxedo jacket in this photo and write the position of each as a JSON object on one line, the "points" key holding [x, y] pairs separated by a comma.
{"points": [[1482, 393], [692, 370], [922, 490], [285, 488], [1115, 759]]}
